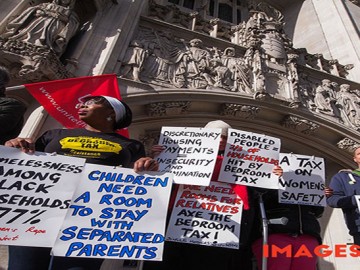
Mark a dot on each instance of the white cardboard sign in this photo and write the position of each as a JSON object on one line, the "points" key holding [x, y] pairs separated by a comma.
{"points": [[206, 216], [249, 159], [303, 181], [116, 214], [36, 190], [190, 153]]}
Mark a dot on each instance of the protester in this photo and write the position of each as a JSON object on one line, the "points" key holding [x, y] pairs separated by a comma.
{"points": [[293, 225], [341, 194], [11, 111], [179, 256], [103, 115]]}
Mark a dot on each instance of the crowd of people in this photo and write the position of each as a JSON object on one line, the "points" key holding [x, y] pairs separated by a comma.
{"points": [[103, 116]]}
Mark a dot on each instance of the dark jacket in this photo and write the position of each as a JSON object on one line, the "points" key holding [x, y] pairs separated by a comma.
{"points": [[344, 189], [11, 118], [302, 219]]}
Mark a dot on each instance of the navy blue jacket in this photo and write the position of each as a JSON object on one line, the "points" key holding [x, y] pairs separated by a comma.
{"points": [[344, 189]]}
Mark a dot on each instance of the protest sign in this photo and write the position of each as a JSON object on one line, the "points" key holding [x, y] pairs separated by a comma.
{"points": [[116, 213], [206, 216], [36, 191], [190, 153], [303, 181], [249, 159]]}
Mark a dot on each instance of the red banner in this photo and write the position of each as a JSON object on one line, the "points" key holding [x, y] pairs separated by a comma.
{"points": [[60, 97]]}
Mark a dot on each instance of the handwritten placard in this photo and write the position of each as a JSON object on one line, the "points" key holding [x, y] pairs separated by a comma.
{"points": [[206, 216], [303, 181], [116, 213], [190, 153], [36, 191], [249, 159]]}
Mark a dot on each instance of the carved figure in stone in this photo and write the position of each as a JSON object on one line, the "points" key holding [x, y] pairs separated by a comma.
{"points": [[134, 60], [349, 105], [306, 96], [47, 24], [293, 74], [324, 97], [260, 90], [199, 56], [163, 55], [239, 71], [221, 75], [195, 65]]}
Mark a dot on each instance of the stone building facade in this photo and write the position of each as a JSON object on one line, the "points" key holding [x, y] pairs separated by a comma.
{"points": [[289, 69]]}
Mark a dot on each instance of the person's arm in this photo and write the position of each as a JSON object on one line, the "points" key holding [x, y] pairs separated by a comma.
{"points": [[140, 161], [146, 164], [339, 198], [26, 145]]}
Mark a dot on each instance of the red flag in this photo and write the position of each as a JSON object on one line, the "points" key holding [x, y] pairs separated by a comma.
{"points": [[60, 97]]}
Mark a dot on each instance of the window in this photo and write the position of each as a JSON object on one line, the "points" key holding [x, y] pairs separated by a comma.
{"points": [[190, 4], [226, 10]]}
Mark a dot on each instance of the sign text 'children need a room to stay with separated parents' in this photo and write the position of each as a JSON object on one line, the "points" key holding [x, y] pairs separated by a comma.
{"points": [[116, 213]]}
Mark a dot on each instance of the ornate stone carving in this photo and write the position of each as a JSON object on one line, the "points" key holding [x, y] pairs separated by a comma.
{"points": [[348, 144], [306, 92], [134, 60], [302, 125], [161, 58], [348, 103], [32, 63], [270, 67], [168, 108], [47, 25], [34, 41], [240, 110], [325, 97]]}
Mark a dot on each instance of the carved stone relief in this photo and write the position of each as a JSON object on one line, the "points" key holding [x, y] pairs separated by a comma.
{"points": [[269, 68], [34, 41], [348, 103], [348, 145], [239, 110], [302, 125], [161, 58], [325, 98], [342, 104], [168, 108]]}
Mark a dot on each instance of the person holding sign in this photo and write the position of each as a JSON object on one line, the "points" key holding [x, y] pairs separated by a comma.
{"points": [[190, 256], [342, 191], [98, 143], [292, 225]]}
